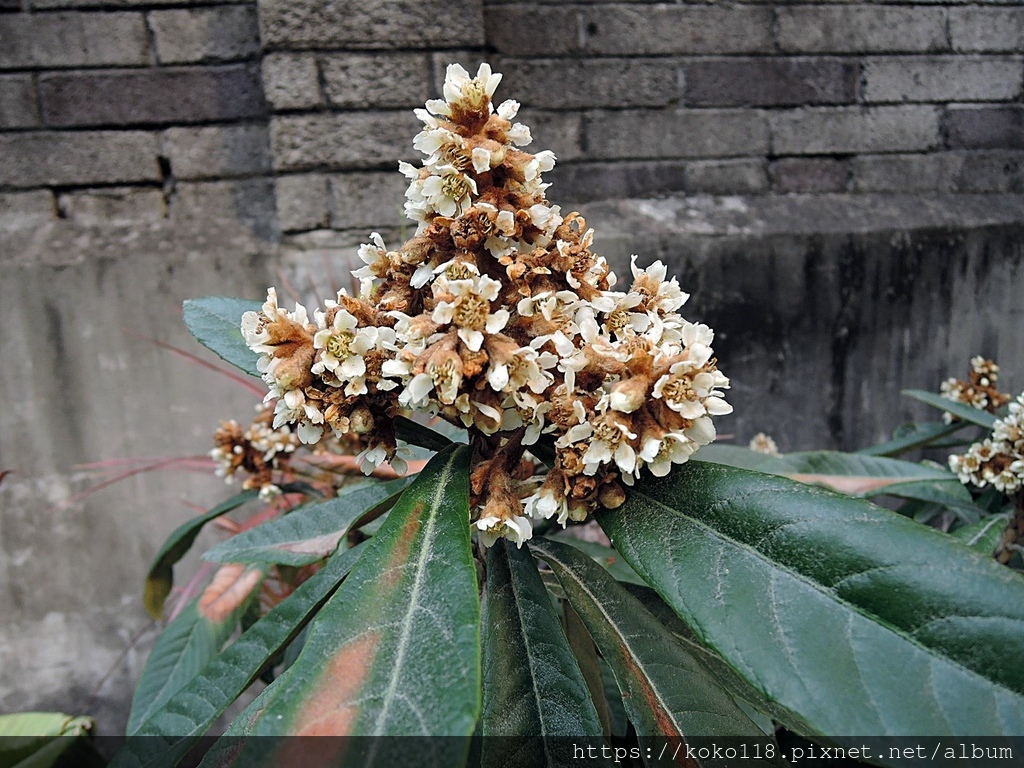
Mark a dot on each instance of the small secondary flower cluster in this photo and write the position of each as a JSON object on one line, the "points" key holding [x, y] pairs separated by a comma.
{"points": [[498, 317], [257, 451], [997, 460], [762, 443], [979, 391]]}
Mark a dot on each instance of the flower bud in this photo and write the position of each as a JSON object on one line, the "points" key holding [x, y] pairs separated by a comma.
{"points": [[361, 420], [628, 395], [612, 496]]}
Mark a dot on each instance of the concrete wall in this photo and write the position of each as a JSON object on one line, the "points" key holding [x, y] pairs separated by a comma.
{"points": [[865, 162]]}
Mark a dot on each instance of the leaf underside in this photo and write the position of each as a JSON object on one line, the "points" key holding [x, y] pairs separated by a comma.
{"points": [[307, 534], [215, 321]]}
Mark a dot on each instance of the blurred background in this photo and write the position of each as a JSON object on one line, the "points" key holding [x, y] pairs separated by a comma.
{"points": [[840, 186]]}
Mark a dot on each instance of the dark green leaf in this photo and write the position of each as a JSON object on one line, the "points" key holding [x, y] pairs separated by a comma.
{"points": [[984, 535], [733, 455], [532, 684], [871, 476], [582, 646], [216, 323], [160, 578], [616, 712], [227, 750], [830, 606], [667, 692], [719, 667], [184, 647], [189, 713], [309, 533], [918, 436], [415, 433], [396, 650], [855, 466], [604, 556], [960, 410]]}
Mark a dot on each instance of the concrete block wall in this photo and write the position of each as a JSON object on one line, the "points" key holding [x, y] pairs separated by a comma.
{"points": [[342, 78], [768, 97], [143, 103], [636, 98]]}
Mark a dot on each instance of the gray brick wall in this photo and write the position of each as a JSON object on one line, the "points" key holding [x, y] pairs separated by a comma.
{"points": [[110, 109], [314, 97]]}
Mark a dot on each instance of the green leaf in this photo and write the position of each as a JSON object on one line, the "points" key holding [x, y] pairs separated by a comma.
{"points": [[216, 323], [984, 535], [604, 556], [47, 739], [733, 455], [415, 433], [719, 667], [184, 647], [189, 713], [533, 688], [309, 533], [226, 750], [582, 646], [870, 476], [831, 607], [160, 578], [396, 650], [916, 436], [960, 410], [667, 692]]}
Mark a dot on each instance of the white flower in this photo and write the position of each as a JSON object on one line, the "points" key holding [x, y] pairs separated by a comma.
{"points": [[371, 457], [341, 348], [663, 295], [447, 193], [460, 89], [519, 134], [621, 320], [508, 109], [545, 504], [516, 528], [470, 309], [434, 141], [292, 408], [660, 455], [610, 442], [481, 159], [538, 164], [690, 394], [375, 258], [269, 493]]}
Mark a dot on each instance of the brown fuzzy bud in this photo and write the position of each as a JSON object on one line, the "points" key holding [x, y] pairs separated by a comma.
{"points": [[612, 496]]}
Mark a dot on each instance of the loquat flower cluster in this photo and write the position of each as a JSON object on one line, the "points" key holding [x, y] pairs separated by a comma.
{"points": [[498, 316], [257, 452], [979, 391], [997, 460]]}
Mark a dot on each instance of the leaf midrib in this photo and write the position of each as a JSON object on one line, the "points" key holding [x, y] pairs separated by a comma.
{"points": [[797, 576], [529, 658], [624, 638], [407, 619], [168, 678]]}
